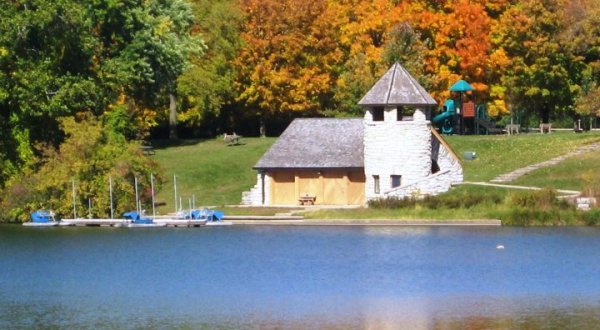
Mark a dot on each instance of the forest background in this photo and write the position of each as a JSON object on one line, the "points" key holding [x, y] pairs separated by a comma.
{"points": [[82, 82]]}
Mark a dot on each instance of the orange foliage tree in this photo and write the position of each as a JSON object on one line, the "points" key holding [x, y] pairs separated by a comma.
{"points": [[314, 55], [288, 58]]}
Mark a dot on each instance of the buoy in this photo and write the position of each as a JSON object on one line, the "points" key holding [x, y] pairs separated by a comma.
{"points": [[500, 247]]}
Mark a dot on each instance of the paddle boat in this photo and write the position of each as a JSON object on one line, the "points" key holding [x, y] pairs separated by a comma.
{"points": [[135, 220], [42, 218], [191, 218], [215, 218]]}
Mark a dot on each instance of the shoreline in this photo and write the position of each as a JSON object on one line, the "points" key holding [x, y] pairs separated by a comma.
{"points": [[253, 221], [369, 222]]}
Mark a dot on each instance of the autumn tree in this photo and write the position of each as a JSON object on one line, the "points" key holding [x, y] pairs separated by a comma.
{"points": [[288, 54]]}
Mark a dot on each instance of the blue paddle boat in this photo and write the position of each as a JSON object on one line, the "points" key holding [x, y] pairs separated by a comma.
{"points": [[42, 218], [135, 220]]}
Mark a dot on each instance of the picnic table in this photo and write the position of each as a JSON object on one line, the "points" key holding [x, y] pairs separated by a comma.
{"points": [[307, 199], [232, 139]]}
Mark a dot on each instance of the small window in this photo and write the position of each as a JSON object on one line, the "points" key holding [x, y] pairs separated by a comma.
{"points": [[376, 183], [434, 167], [405, 113], [378, 114], [396, 181]]}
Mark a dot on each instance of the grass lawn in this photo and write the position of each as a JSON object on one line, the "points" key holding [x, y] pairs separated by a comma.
{"points": [[498, 154], [576, 173], [209, 169]]}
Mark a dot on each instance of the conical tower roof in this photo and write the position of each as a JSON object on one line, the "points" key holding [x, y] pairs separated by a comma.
{"points": [[397, 87]]}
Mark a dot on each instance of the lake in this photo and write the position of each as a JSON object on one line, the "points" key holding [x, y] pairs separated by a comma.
{"points": [[300, 277]]}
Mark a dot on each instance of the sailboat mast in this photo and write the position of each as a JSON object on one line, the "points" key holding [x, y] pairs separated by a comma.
{"points": [[152, 187], [74, 207], [175, 190], [137, 198], [111, 197]]}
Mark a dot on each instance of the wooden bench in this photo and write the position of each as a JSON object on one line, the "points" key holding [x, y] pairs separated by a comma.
{"points": [[512, 128], [306, 199], [147, 150], [545, 128]]}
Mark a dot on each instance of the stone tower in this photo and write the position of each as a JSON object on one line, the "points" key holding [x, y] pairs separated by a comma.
{"points": [[399, 155]]}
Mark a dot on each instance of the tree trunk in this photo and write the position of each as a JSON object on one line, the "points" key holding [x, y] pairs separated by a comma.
{"points": [[172, 116], [262, 129]]}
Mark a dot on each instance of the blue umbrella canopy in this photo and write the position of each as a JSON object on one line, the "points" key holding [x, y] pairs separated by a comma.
{"points": [[461, 86]]}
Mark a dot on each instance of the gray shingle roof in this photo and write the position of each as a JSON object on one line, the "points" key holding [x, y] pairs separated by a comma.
{"points": [[317, 143], [397, 87]]}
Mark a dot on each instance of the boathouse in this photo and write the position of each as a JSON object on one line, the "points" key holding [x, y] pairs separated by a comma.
{"points": [[392, 151]]}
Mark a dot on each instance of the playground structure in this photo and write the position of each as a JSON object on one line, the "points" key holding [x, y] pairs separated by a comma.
{"points": [[461, 116]]}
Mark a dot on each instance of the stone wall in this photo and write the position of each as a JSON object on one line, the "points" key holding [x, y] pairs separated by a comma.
{"points": [[450, 173], [253, 197], [448, 161], [395, 147]]}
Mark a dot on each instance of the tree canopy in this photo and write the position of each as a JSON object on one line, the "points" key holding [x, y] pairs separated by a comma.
{"points": [[140, 66]]}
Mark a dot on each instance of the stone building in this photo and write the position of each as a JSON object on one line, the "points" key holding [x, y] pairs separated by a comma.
{"points": [[392, 151]]}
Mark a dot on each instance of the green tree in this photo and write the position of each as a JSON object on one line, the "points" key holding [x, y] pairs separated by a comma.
{"points": [[208, 85], [65, 57], [544, 74], [91, 154], [404, 46]]}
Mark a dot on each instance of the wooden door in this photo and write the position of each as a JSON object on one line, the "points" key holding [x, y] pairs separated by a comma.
{"points": [[356, 188], [335, 188], [283, 188]]}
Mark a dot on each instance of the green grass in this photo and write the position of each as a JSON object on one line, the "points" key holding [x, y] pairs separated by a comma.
{"points": [[209, 169], [498, 154], [576, 173]]}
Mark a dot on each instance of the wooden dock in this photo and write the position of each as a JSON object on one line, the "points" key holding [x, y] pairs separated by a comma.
{"points": [[181, 222], [83, 222], [169, 222]]}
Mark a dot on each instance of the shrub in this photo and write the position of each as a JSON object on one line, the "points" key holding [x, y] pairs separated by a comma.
{"points": [[447, 201], [533, 217], [545, 199], [393, 203], [591, 218]]}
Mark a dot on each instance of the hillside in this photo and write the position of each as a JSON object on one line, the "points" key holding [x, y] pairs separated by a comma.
{"points": [[209, 169], [217, 174]]}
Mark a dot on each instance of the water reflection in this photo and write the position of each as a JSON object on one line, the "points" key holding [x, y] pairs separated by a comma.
{"points": [[399, 231]]}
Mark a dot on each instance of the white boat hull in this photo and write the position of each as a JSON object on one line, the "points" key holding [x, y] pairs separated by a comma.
{"points": [[41, 224]]}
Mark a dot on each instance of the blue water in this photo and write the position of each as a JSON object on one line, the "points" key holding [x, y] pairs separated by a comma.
{"points": [[300, 277]]}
